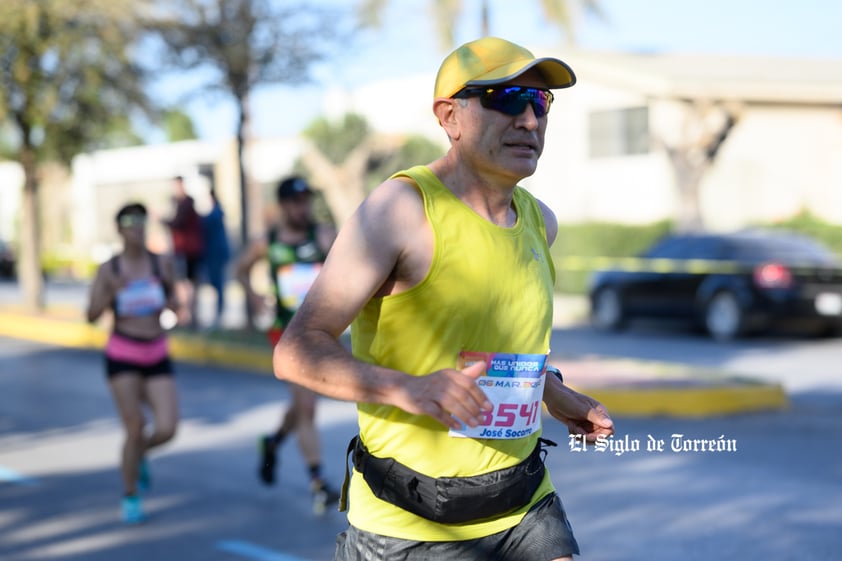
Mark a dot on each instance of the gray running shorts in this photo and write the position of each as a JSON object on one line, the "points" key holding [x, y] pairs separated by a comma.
{"points": [[543, 534]]}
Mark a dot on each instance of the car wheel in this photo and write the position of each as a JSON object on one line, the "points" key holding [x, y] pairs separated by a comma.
{"points": [[832, 330], [607, 310], [724, 318]]}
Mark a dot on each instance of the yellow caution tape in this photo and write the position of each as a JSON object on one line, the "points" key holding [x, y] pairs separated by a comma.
{"points": [[640, 264]]}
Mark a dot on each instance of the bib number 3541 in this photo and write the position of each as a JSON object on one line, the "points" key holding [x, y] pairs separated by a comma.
{"points": [[514, 384]]}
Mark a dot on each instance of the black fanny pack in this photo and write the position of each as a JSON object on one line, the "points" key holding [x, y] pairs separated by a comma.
{"points": [[448, 500]]}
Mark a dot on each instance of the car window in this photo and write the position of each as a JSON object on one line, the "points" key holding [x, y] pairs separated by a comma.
{"points": [[705, 247], [668, 248], [743, 248], [787, 249], [688, 247]]}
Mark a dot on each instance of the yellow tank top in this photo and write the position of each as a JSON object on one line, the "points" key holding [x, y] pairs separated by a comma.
{"points": [[489, 289]]}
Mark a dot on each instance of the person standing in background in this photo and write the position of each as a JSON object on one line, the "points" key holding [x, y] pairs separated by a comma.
{"points": [[217, 253], [137, 285], [188, 246], [295, 249]]}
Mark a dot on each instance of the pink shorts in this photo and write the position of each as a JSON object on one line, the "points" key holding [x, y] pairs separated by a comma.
{"points": [[134, 351]]}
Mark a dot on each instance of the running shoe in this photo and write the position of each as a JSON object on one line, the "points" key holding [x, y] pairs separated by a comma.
{"points": [[132, 510], [323, 496], [268, 459], [144, 477]]}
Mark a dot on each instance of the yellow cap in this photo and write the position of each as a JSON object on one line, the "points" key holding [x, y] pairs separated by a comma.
{"points": [[492, 60]]}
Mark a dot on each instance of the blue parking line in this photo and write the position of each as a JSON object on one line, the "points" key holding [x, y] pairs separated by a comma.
{"points": [[253, 551], [15, 478]]}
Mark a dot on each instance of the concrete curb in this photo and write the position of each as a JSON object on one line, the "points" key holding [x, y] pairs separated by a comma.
{"points": [[189, 348], [627, 388], [695, 402], [639, 388]]}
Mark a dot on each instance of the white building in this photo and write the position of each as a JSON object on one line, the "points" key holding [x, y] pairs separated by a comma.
{"points": [[784, 155]]}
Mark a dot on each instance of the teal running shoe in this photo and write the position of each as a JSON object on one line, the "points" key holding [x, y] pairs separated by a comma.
{"points": [[133, 510]]}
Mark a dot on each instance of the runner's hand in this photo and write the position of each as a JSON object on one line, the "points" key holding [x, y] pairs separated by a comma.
{"points": [[581, 413], [446, 394]]}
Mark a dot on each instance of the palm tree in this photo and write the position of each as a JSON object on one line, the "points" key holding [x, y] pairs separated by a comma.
{"points": [[561, 13]]}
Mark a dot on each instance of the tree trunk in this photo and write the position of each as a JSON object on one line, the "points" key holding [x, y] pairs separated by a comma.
{"points": [[29, 268], [241, 167], [689, 210], [694, 155], [251, 211]]}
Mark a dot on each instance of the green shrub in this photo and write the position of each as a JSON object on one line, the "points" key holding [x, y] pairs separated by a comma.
{"points": [[814, 227], [580, 248]]}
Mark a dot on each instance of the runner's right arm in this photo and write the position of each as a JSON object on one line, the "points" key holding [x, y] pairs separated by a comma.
{"points": [[376, 248], [101, 293]]}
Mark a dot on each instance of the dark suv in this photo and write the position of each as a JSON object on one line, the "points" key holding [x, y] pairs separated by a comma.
{"points": [[730, 284]]}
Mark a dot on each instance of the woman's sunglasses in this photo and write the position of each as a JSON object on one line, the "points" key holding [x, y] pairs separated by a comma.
{"points": [[511, 100], [129, 220]]}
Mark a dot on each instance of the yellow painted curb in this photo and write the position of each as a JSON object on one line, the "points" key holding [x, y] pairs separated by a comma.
{"points": [[723, 397], [691, 402], [52, 331], [84, 336], [221, 354]]}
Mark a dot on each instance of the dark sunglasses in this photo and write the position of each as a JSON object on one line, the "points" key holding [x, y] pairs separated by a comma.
{"points": [[511, 100]]}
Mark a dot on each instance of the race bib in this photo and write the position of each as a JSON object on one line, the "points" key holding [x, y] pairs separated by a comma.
{"points": [[294, 280], [141, 297], [514, 383]]}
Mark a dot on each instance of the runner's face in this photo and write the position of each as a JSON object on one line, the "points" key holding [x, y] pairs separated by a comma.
{"points": [[132, 228], [298, 210], [502, 144]]}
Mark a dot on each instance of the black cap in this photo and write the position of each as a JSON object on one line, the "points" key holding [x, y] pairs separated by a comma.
{"points": [[292, 186], [131, 208]]}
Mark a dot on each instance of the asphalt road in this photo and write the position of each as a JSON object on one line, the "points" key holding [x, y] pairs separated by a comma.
{"points": [[774, 495]]}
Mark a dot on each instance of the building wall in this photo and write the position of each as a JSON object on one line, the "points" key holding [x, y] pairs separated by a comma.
{"points": [[777, 161]]}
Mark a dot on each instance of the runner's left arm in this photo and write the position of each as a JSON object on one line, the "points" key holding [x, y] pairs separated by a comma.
{"points": [[581, 413], [168, 280]]}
